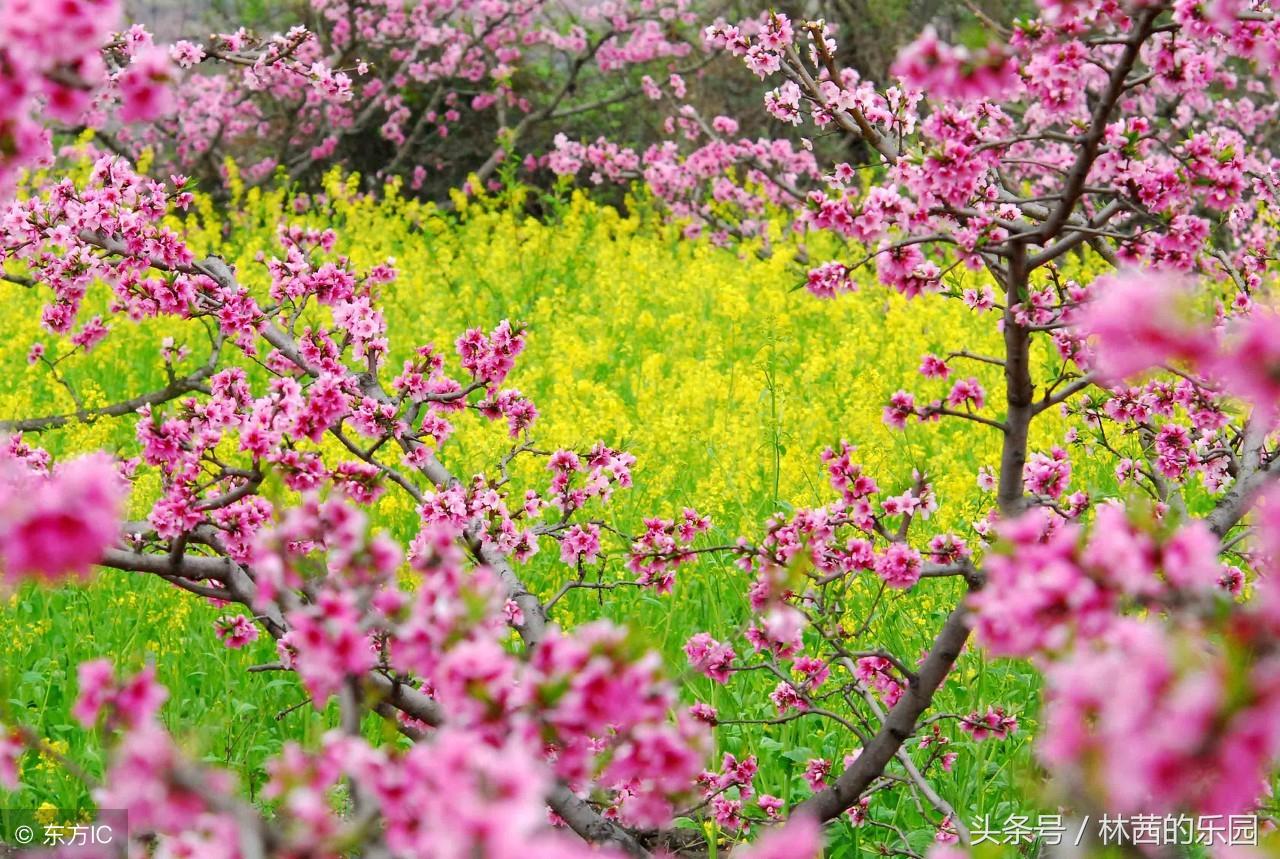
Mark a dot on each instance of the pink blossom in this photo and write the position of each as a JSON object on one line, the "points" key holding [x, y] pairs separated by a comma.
{"points": [[993, 724], [829, 280], [144, 86], [131, 702], [726, 812], [947, 71], [1034, 594], [12, 748], [876, 673], [986, 479], [786, 697], [901, 406], [815, 671], [1231, 580], [703, 712], [236, 631], [1139, 320], [816, 771], [967, 392], [186, 54], [933, 367], [61, 523], [1249, 364], [710, 657], [1127, 705], [1048, 474], [580, 544], [801, 838], [1189, 558], [770, 805], [899, 566]]}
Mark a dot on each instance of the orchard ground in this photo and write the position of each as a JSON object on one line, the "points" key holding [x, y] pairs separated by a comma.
{"points": [[724, 381]]}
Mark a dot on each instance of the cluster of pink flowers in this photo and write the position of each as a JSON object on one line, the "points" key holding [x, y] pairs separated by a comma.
{"points": [[664, 546], [130, 702], [361, 75], [1171, 729], [50, 55], [580, 544], [746, 176], [589, 709], [1051, 585], [877, 674], [710, 657], [947, 71], [145, 86], [1048, 474], [236, 631], [829, 280], [1140, 320], [436, 798], [899, 566], [1166, 732], [591, 701], [946, 192], [993, 724], [489, 358], [58, 521]]}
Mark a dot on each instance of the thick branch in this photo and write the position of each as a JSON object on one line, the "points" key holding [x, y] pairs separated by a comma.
{"points": [[1088, 151], [587, 822], [1255, 472], [898, 726], [1019, 391]]}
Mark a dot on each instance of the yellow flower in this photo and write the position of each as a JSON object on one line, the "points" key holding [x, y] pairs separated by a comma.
{"points": [[46, 813], [50, 757]]}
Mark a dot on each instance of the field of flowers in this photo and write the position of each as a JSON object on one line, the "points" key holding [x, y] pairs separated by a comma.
{"points": [[707, 364], [642, 429]]}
